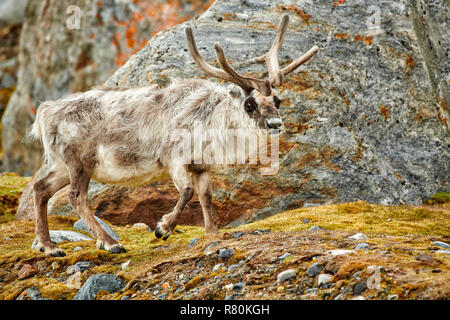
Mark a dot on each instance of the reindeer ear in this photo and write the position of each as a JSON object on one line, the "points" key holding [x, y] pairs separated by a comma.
{"points": [[235, 91]]}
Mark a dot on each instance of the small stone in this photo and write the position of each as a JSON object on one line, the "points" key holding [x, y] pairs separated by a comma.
{"points": [[393, 297], [125, 265], [237, 234], [306, 221], [359, 288], [315, 228], [8, 238], [280, 289], [314, 269], [31, 293], [156, 292], [311, 291], [358, 298], [72, 270], [84, 265], [226, 253], [443, 251], [442, 244], [163, 296], [358, 236], [286, 275], [339, 252], [125, 298], [192, 243], [239, 286], [361, 246], [76, 249], [284, 256], [95, 283], [324, 278], [27, 271], [259, 231], [232, 297], [217, 266], [229, 286], [233, 266], [143, 226]]}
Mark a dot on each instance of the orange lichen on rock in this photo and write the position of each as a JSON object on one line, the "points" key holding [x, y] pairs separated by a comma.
{"points": [[305, 17], [341, 36], [366, 40], [385, 112]]}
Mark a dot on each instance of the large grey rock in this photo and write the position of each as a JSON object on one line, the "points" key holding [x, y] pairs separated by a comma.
{"points": [[366, 118], [58, 236], [95, 283], [80, 225]]}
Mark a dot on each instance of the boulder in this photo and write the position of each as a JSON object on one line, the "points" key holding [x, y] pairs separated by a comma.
{"points": [[95, 283], [12, 11]]}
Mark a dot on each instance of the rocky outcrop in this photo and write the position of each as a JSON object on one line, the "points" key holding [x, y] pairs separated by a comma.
{"points": [[366, 118], [67, 48]]}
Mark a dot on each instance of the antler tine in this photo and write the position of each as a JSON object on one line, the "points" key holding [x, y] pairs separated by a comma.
{"points": [[246, 83], [276, 76], [228, 73], [201, 63]]}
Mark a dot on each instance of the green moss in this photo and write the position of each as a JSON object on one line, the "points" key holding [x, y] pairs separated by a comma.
{"points": [[439, 198]]}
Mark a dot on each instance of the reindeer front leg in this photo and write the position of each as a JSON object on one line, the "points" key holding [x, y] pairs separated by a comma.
{"points": [[183, 182]]}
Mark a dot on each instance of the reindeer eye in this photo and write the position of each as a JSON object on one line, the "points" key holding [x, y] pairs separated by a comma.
{"points": [[250, 104], [277, 102]]}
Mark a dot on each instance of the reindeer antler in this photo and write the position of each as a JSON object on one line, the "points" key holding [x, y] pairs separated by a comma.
{"points": [[228, 73], [276, 76]]}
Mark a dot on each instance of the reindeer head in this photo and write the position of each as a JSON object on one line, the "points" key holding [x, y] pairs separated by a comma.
{"points": [[260, 102]]}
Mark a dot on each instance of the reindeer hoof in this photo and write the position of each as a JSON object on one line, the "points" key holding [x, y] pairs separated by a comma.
{"points": [[161, 232], [57, 253]]}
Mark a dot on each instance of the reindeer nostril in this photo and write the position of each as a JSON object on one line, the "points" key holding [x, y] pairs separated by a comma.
{"points": [[273, 123]]}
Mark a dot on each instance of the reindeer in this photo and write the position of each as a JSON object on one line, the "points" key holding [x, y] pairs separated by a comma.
{"points": [[121, 136]]}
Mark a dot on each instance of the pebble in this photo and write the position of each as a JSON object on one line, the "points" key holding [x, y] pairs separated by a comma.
{"points": [[443, 251], [125, 298], [362, 246], [27, 271], [72, 270], [311, 291], [233, 266], [259, 231], [192, 243], [141, 225], [76, 249], [229, 286], [125, 265], [84, 265], [442, 244], [226, 253], [55, 265], [338, 252], [314, 269], [315, 228], [286, 275], [358, 298], [163, 296], [239, 286], [359, 288], [306, 221], [280, 289], [237, 234], [284, 256], [8, 238], [324, 278], [393, 297], [212, 244], [217, 266], [358, 236]]}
